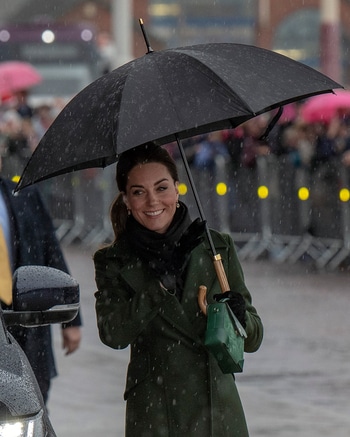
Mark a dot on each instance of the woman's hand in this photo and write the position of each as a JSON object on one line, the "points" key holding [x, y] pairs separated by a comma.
{"points": [[236, 302]]}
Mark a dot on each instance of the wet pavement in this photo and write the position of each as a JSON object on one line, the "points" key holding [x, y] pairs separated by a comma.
{"points": [[296, 385]]}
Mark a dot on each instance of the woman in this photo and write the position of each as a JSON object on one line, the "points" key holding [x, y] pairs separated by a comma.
{"points": [[148, 282]]}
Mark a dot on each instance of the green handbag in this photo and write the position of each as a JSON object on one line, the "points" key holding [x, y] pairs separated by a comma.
{"points": [[224, 337]]}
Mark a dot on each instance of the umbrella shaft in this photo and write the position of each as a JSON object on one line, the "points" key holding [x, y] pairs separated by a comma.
{"points": [[195, 194]]}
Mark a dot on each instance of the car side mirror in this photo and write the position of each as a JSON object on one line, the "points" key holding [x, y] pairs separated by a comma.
{"points": [[42, 295]]}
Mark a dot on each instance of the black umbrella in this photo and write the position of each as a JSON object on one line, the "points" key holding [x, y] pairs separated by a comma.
{"points": [[169, 95], [166, 96]]}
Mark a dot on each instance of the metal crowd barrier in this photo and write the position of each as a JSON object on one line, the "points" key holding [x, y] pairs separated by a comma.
{"points": [[79, 205], [276, 210]]}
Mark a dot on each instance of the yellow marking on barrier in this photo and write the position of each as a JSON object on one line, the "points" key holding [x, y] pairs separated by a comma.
{"points": [[221, 188], [182, 189], [344, 194], [303, 193], [263, 192]]}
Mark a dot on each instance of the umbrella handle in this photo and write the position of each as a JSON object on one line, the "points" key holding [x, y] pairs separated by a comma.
{"points": [[220, 272], [202, 298], [202, 290]]}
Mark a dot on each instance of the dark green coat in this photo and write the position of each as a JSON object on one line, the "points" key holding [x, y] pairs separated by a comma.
{"points": [[174, 387]]}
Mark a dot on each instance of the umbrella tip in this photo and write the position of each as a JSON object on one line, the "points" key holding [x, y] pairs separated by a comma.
{"points": [[149, 48]]}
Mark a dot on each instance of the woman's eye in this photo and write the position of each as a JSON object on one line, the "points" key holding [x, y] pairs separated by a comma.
{"points": [[162, 188], [137, 192]]}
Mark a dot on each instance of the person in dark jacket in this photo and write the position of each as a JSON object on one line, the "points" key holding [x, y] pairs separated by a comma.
{"points": [[31, 240], [148, 281]]}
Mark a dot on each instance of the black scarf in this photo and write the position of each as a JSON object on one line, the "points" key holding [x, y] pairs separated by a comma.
{"points": [[167, 254]]}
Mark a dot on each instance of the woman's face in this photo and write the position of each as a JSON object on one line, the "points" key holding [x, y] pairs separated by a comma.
{"points": [[151, 196]]}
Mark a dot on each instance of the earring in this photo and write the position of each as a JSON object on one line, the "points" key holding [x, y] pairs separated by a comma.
{"points": [[177, 204], [129, 212]]}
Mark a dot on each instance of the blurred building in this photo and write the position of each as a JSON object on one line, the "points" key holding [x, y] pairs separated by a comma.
{"points": [[185, 22]]}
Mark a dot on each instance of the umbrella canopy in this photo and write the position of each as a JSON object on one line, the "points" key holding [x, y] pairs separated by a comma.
{"points": [[167, 95], [325, 107], [17, 76]]}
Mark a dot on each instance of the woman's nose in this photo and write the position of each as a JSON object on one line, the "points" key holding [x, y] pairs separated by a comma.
{"points": [[152, 198]]}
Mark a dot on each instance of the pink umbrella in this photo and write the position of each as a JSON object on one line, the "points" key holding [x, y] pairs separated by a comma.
{"points": [[17, 76], [324, 107]]}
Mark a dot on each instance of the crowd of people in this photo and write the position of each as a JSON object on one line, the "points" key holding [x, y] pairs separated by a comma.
{"points": [[21, 128], [302, 143], [320, 150]]}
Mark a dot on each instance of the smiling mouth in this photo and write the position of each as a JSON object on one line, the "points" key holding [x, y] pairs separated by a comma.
{"points": [[154, 213]]}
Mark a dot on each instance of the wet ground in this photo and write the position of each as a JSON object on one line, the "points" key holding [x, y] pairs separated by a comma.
{"points": [[296, 385]]}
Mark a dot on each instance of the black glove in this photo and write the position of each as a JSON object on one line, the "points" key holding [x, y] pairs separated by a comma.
{"points": [[236, 302]]}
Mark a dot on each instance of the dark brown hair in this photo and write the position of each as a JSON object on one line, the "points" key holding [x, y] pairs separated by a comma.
{"points": [[144, 154]]}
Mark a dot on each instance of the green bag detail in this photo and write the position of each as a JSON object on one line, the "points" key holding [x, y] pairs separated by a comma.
{"points": [[224, 337]]}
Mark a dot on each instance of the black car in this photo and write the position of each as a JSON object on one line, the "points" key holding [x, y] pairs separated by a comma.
{"points": [[41, 296]]}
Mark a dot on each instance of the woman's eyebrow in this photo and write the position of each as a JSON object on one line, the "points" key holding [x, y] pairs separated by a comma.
{"points": [[161, 180], [156, 183]]}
